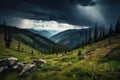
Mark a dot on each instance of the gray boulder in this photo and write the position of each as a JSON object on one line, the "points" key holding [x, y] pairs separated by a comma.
{"points": [[15, 67], [8, 61], [19, 66], [7, 64], [40, 62], [12, 60], [24, 68], [3, 69], [27, 70]]}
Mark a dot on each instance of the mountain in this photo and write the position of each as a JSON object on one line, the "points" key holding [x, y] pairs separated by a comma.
{"points": [[34, 40], [70, 38], [45, 33], [75, 37]]}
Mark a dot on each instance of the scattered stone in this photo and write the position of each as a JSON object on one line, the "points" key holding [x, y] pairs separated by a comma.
{"points": [[108, 53], [97, 50], [69, 64], [86, 56], [40, 61], [24, 68], [8, 61], [20, 66], [27, 70], [12, 60], [3, 69], [3, 62], [15, 67]]}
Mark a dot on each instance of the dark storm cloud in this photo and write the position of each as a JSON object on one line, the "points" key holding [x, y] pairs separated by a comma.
{"points": [[39, 9], [84, 2], [51, 9], [110, 9]]}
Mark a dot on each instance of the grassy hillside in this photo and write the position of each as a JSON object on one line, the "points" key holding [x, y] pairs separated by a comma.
{"points": [[94, 66], [23, 55], [33, 40]]}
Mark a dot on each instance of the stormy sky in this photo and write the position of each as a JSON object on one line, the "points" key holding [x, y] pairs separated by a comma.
{"points": [[38, 13]]}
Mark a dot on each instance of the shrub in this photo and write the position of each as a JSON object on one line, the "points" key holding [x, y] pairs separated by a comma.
{"points": [[79, 53]]}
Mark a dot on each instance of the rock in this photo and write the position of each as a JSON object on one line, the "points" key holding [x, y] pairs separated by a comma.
{"points": [[3, 69], [97, 49], [69, 64], [86, 56], [8, 61], [15, 67], [40, 61], [3, 62], [20, 66], [27, 70], [12, 60], [108, 53], [6, 65], [24, 68]]}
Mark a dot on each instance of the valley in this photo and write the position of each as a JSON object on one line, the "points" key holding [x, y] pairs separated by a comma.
{"points": [[92, 62]]}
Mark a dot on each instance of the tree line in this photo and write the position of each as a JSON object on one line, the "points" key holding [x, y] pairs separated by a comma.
{"points": [[99, 33]]}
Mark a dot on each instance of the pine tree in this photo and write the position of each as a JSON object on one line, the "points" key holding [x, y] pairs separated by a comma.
{"points": [[32, 53], [95, 33], [90, 37], [19, 46], [111, 31], [82, 44], [117, 26], [7, 35], [79, 53], [103, 33], [86, 38], [99, 36]]}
